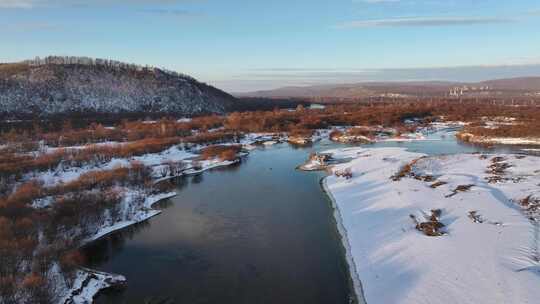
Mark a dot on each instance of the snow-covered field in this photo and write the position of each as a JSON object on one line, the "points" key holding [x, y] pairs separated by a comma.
{"points": [[488, 248]]}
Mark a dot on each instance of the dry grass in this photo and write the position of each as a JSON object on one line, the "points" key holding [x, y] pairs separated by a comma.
{"points": [[432, 226], [403, 172], [346, 173], [220, 151], [424, 178], [460, 188], [437, 184], [407, 171], [475, 217], [526, 127], [531, 205], [497, 169]]}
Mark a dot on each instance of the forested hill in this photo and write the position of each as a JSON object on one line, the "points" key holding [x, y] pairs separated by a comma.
{"points": [[84, 86]]}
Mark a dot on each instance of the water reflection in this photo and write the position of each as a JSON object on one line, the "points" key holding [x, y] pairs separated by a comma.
{"points": [[255, 232], [103, 250]]}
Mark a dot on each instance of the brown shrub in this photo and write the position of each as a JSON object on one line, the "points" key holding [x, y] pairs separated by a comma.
{"points": [[403, 172], [33, 281], [70, 260], [299, 132], [437, 184], [211, 152], [361, 132], [346, 173], [431, 227], [460, 188], [335, 134], [228, 155], [475, 217]]}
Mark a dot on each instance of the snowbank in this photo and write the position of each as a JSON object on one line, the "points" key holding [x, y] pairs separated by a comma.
{"points": [[405, 138], [131, 215], [491, 260], [88, 283]]}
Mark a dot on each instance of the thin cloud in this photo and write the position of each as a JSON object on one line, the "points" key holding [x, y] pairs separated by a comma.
{"points": [[301, 77], [171, 12], [29, 27], [29, 4], [425, 22], [17, 3]]}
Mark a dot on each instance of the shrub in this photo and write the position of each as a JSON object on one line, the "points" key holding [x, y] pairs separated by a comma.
{"points": [[346, 173], [228, 155], [403, 172], [432, 226], [223, 152], [335, 134], [298, 132]]}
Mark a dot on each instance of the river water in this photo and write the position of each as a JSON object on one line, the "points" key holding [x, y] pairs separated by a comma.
{"points": [[257, 232]]}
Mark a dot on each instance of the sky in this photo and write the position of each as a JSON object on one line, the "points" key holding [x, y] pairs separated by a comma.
{"points": [[246, 45]]}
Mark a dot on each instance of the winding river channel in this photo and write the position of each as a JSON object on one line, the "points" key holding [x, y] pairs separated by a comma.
{"points": [[258, 232]]}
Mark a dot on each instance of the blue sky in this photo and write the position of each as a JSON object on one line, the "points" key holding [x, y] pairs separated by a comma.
{"points": [[242, 45]]}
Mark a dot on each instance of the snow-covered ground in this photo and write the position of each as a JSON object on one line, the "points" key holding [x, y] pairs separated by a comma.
{"points": [[154, 160], [130, 214], [405, 137], [525, 141], [87, 284], [135, 207], [316, 162], [431, 132], [495, 123], [488, 250], [47, 149]]}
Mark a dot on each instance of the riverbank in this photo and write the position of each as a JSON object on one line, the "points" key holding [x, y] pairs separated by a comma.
{"points": [[88, 282], [483, 208], [135, 205], [134, 213], [355, 279], [104, 190], [235, 229], [133, 209]]}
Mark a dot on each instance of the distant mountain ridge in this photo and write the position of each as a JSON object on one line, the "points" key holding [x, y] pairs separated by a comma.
{"points": [[85, 86], [501, 87], [518, 84]]}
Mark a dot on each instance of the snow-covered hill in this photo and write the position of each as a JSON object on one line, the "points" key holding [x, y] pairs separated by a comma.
{"points": [[77, 85]]}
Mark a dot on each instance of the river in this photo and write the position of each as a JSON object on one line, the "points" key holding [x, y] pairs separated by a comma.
{"points": [[257, 232]]}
